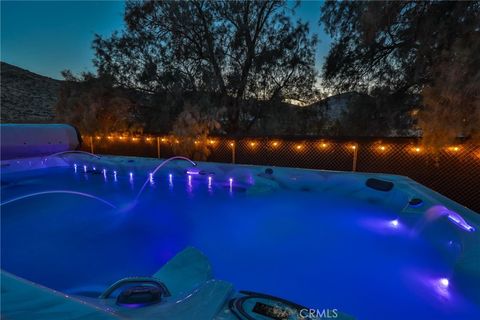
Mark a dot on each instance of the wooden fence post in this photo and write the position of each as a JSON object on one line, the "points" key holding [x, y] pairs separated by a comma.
{"points": [[355, 151], [91, 144]]}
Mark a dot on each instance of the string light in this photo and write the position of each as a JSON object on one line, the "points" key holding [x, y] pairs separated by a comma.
{"points": [[381, 148], [253, 144], [453, 148]]}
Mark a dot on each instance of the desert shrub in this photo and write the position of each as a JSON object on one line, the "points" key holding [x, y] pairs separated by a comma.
{"points": [[95, 106], [190, 133]]}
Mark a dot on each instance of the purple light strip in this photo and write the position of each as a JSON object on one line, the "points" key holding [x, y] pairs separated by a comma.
{"points": [[454, 217], [459, 221], [189, 183]]}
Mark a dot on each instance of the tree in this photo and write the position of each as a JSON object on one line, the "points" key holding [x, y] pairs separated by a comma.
{"points": [[452, 101], [94, 106], [239, 53], [404, 48]]}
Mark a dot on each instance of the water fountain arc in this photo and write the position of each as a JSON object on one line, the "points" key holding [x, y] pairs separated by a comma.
{"points": [[72, 151], [152, 174], [82, 194]]}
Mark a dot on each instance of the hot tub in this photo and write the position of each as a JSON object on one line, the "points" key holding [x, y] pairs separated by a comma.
{"points": [[327, 240]]}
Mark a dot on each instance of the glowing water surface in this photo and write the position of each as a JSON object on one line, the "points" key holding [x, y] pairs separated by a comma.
{"points": [[322, 250]]}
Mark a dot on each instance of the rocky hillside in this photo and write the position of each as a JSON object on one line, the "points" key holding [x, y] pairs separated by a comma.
{"points": [[26, 96]]}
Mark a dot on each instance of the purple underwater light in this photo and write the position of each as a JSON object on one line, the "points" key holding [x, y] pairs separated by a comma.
{"points": [[394, 223], [444, 282], [440, 286]]}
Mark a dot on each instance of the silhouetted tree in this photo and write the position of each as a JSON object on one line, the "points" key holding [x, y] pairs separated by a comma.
{"points": [[405, 48], [239, 53], [94, 105]]}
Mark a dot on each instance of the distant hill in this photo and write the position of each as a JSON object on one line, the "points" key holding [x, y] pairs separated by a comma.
{"points": [[30, 97], [26, 96], [335, 106]]}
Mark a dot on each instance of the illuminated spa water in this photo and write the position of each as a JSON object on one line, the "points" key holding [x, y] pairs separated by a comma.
{"points": [[320, 249]]}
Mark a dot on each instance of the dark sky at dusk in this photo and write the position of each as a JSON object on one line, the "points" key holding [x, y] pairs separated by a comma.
{"points": [[48, 37]]}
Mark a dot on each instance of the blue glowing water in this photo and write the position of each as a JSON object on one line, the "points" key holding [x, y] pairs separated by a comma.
{"points": [[322, 250]]}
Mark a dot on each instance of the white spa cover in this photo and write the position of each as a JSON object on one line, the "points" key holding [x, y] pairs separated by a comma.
{"points": [[31, 140]]}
